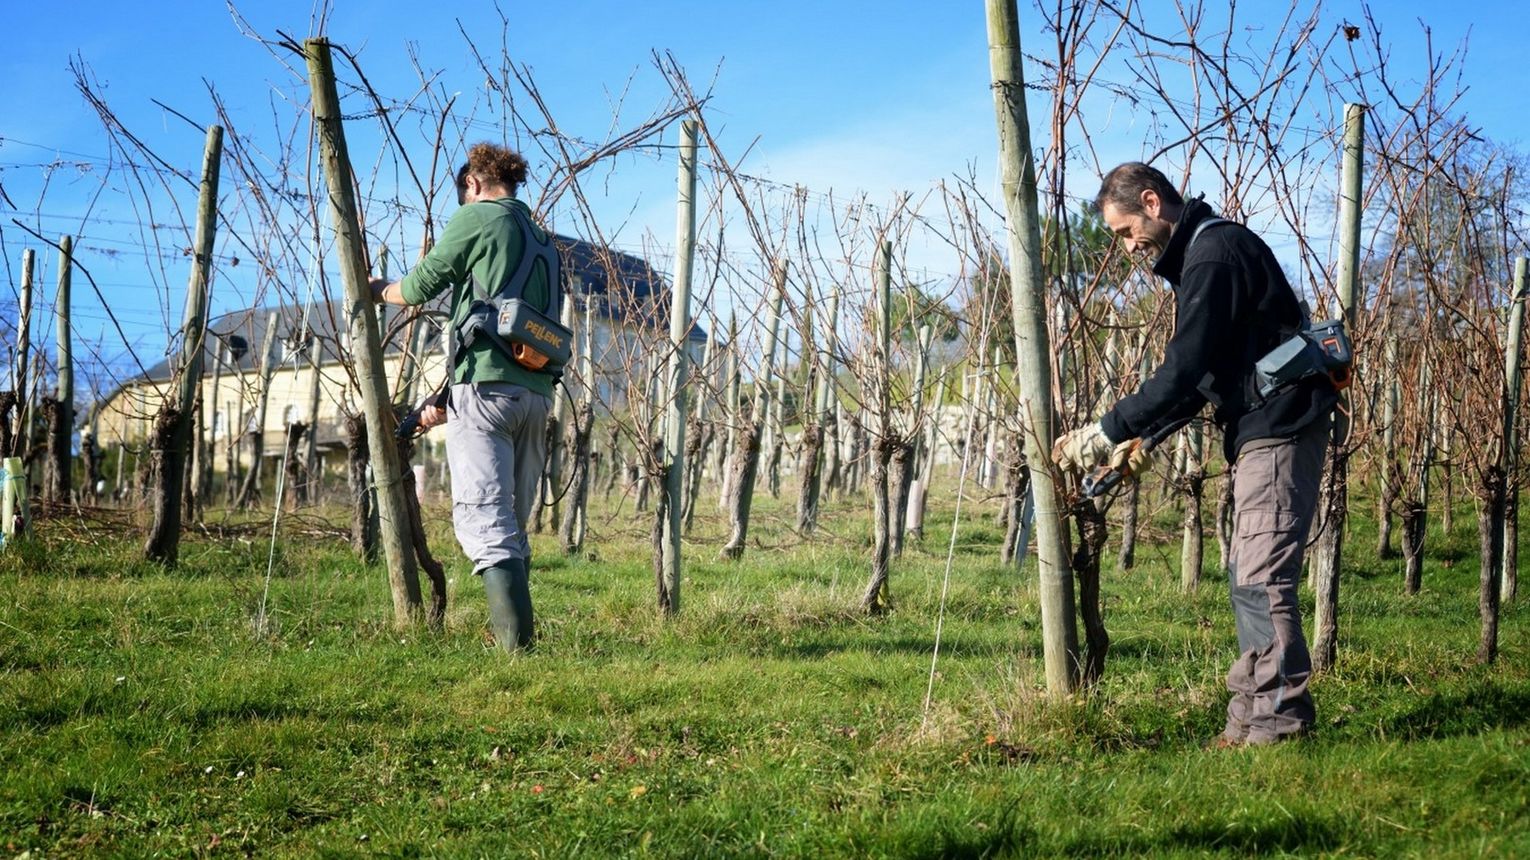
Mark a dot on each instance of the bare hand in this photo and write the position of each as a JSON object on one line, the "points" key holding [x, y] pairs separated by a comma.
{"points": [[432, 416]]}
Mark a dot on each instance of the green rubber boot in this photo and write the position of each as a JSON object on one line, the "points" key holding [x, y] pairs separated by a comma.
{"points": [[508, 589]]}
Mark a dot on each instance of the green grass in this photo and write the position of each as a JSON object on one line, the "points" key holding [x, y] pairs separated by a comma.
{"points": [[146, 712]]}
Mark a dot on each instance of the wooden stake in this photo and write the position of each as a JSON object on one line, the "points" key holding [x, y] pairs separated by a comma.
{"points": [[1391, 395], [311, 448], [1513, 360], [249, 493], [733, 403], [14, 518], [59, 480], [574, 525], [212, 405], [1333, 499], [699, 441], [875, 599], [163, 541], [673, 466], [1032, 345], [393, 517], [1192, 549], [20, 381], [913, 514]]}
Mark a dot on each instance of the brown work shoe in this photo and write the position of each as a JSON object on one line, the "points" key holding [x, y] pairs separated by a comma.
{"points": [[1223, 742]]}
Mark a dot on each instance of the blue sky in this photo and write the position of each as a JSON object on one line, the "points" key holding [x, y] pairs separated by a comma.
{"points": [[842, 96]]}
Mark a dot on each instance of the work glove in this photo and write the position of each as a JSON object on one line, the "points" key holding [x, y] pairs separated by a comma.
{"points": [[1130, 458], [1083, 448]]}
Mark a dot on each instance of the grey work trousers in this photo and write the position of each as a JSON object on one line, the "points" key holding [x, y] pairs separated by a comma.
{"points": [[1275, 494], [496, 446]]}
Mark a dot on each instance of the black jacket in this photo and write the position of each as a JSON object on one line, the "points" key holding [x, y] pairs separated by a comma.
{"points": [[1232, 306]]}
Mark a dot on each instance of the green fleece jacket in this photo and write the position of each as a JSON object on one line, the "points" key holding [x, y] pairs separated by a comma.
{"points": [[481, 244]]}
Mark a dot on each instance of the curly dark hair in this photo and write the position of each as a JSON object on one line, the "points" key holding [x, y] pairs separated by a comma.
{"points": [[493, 163], [1124, 185]]}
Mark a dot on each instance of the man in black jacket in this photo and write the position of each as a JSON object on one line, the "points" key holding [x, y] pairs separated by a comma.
{"points": [[1233, 305]]}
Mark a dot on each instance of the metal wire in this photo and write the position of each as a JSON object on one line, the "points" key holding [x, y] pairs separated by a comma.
{"points": [[945, 587]]}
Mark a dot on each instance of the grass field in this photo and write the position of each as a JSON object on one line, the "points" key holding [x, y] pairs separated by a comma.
{"points": [[145, 712]]}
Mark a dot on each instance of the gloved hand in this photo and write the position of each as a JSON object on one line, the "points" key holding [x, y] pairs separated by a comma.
{"points": [[1130, 458], [1083, 448]]}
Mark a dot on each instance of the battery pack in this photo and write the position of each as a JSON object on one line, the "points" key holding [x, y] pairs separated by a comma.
{"points": [[536, 340]]}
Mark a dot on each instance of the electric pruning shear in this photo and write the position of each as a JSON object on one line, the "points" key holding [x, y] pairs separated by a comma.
{"points": [[410, 427], [1105, 478]]}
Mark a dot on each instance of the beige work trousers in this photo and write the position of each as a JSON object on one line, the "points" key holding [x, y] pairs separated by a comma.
{"points": [[496, 446], [1275, 494]]}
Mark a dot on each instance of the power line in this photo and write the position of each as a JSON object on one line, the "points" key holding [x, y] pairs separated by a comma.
{"points": [[857, 197], [395, 204]]}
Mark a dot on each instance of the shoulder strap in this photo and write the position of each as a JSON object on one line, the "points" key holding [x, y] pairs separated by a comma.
{"points": [[1285, 331], [533, 248], [1202, 227]]}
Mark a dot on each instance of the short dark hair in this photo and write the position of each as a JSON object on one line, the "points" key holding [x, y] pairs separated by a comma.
{"points": [[1124, 185]]}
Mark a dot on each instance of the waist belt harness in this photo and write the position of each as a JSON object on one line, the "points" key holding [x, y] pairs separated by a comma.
{"points": [[532, 338]]}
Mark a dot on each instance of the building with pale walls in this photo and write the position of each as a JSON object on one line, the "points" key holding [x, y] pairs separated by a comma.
{"points": [[311, 374]]}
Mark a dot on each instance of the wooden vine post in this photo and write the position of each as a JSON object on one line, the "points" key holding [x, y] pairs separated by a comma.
{"points": [[1391, 395], [733, 400], [672, 504], [1513, 371], [21, 386], [14, 516], [928, 447], [59, 476], [235, 348], [1193, 481], [393, 519], [557, 435], [875, 598], [1333, 500], [249, 494], [574, 526], [1032, 345], [311, 444], [700, 434], [1495, 527], [819, 439], [211, 405], [913, 503], [174, 425]]}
